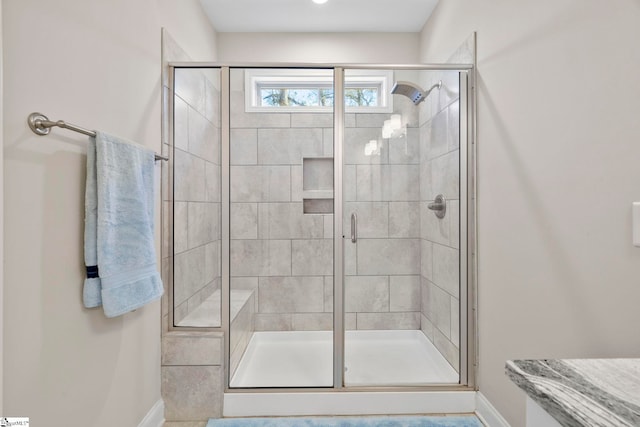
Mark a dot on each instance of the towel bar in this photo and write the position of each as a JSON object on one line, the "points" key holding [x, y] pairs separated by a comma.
{"points": [[41, 125]]}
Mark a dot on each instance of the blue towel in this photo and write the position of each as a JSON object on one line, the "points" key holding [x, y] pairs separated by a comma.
{"points": [[122, 274]]}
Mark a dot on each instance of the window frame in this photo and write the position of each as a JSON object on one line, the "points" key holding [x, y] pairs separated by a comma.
{"points": [[255, 79]]}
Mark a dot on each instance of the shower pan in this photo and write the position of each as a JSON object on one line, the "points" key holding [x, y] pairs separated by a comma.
{"points": [[304, 223]]}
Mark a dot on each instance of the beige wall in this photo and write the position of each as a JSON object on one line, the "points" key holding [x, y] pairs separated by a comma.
{"points": [[558, 152], [387, 48], [96, 64], [189, 27]]}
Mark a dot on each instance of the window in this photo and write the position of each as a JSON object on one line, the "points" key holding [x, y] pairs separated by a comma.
{"points": [[312, 90]]}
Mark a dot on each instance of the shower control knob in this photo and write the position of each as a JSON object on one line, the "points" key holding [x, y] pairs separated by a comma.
{"points": [[439, 206]]}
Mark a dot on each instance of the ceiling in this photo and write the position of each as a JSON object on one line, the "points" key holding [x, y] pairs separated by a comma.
{"points": [[306, 16]]}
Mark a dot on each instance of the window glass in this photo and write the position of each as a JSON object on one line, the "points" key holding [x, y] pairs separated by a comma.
{"points": [[312, 90]]}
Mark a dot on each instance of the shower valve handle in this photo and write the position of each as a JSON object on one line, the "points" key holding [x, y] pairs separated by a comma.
{"points": [[439, 206]]}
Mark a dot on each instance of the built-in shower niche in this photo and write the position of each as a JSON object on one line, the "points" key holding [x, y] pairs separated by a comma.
{"points": [[317, 185]]}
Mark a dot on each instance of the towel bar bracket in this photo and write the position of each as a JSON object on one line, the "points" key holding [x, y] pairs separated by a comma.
{"points": [[36, 121]]}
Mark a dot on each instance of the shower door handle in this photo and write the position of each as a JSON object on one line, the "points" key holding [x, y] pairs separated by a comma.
{"points": [[354, 228]]}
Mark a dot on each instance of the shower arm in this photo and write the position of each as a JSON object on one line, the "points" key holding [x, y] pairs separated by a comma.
{"points": [[437, 85]]}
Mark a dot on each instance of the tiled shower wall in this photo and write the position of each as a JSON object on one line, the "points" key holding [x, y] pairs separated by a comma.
{"points": [[197, 236], [192, 362], [439, 174], [283, 255], [286, 257], [382, 270]]}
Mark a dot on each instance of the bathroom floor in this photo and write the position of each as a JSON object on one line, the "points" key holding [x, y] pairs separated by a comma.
{"points": [[413, 421], [305, 359], [466, 420], [185, 424]]}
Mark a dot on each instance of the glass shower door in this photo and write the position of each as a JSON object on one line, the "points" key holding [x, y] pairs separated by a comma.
{"points": [[281, 228], [401, 260]]}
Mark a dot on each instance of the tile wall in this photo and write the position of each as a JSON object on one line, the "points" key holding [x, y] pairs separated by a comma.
{"points": [[439, 238], [192, 362], [196, 208], [283, 255], [286, 256], [382, 270]]}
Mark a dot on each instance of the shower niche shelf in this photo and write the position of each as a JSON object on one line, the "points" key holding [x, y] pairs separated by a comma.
{"points": [[317, 185]]}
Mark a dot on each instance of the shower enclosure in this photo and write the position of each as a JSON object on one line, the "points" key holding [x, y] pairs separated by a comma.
{"points": [[321, 220]]}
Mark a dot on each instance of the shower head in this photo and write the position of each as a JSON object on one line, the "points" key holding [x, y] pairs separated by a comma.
{"points": [[412, 91]]}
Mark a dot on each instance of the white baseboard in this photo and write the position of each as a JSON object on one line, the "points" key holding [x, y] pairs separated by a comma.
{"points": [[487, 413], [155, 416]]}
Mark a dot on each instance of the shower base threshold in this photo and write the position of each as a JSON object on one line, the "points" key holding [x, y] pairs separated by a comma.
{"points": [[372, 358], [279, 404]]}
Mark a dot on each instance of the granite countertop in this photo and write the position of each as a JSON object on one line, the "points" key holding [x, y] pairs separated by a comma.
{"points": [[582, 392]]}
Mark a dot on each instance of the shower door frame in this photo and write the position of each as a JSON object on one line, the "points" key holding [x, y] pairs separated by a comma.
{"points": [[467, 220], [467, 251]]}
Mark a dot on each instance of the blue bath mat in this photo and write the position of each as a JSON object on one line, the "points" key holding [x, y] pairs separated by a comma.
{"points": [[379, 421]]}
